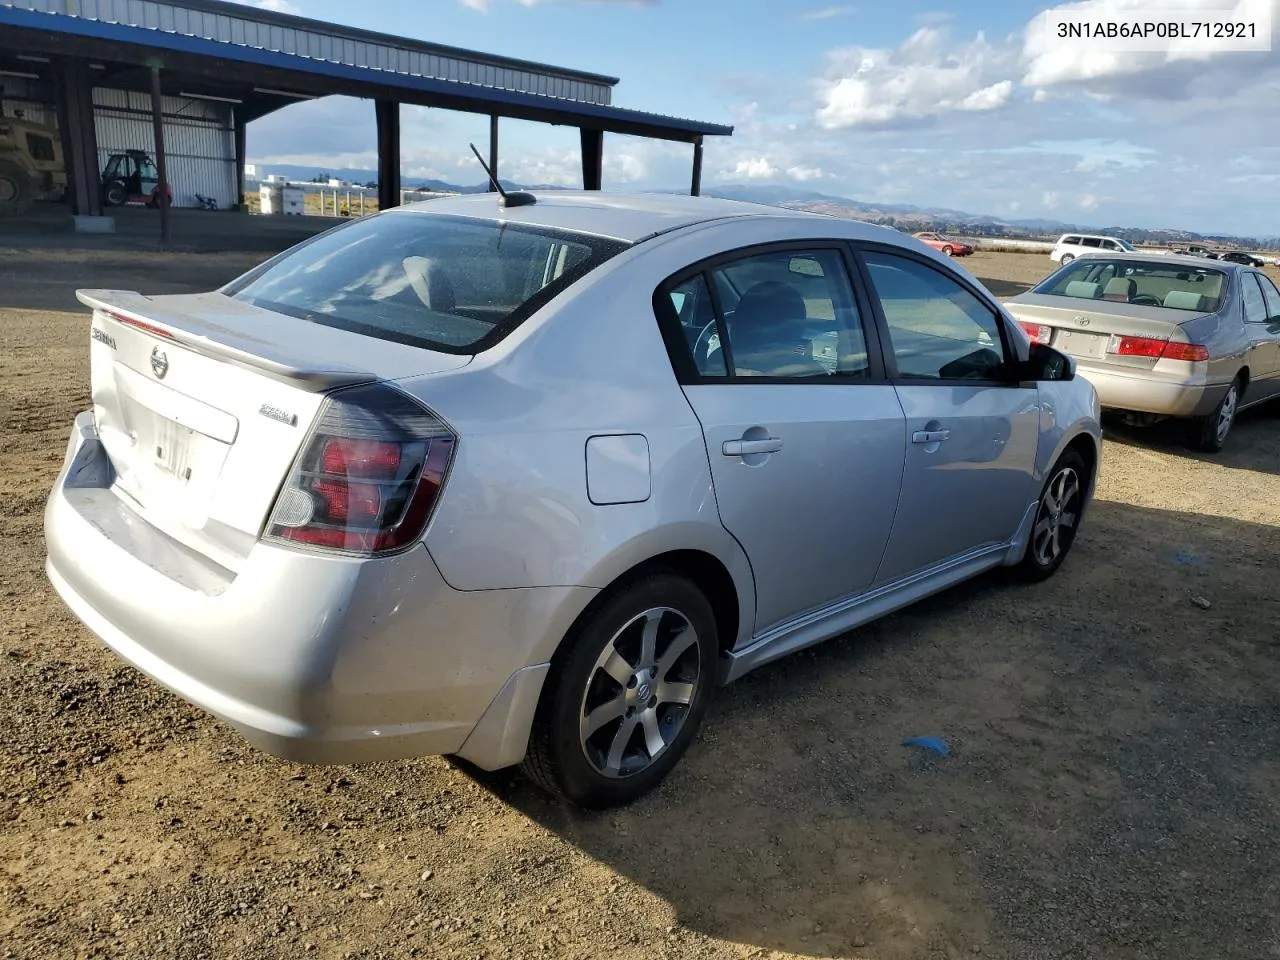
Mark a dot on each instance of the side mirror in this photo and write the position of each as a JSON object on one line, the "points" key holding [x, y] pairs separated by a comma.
{"points": [[1045, 363]]}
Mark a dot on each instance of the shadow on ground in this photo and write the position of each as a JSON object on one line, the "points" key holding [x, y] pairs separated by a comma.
{"points": [[1003, 289], [1111, 790], [1254, 443]]}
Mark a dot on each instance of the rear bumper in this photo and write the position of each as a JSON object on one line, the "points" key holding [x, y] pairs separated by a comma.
{"points": [[314, 658], [1152, 392]]}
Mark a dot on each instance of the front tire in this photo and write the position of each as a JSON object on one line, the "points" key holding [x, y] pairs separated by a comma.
{"points": [[626, 694], [948, 251], [1209, 433], [1057, 519], [15, 189]]}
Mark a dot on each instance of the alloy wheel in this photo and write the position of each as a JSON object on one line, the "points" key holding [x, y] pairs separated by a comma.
{"points": [[1057, 517], [639, 692], [1227, 412]]}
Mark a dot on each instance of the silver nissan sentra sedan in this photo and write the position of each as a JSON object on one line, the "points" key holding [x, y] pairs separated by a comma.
{"points": [[1164, 336], [526, 482]]}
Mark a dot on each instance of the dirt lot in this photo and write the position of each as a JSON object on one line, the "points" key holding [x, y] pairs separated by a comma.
{"points": [[1112, 791]]}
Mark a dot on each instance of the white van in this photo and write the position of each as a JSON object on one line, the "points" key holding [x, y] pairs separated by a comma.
{"points": [[1071, 245]]}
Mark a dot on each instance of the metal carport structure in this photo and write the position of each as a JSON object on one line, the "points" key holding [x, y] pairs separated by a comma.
{"points": [[262, 61]]}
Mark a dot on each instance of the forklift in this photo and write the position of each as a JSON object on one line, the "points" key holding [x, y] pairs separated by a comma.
{"points": [[131, 177]]}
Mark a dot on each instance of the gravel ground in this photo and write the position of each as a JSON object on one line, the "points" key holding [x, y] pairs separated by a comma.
{"points": [[1111, 792]]}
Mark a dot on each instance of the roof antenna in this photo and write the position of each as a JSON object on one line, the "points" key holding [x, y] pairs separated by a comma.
{"points": [[517, 198]]}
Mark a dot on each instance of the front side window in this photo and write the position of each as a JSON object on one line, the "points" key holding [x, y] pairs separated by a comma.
{"points": [[1142, 282], [939, 330], [448, 283], [40, 148]]}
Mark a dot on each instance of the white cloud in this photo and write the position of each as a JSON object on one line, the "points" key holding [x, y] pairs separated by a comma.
{"points": [[828, 13], [1050, 61], [1089, 201], [755, 168], [802, 174], [927, 76], [1050, 199], [988, 98]]}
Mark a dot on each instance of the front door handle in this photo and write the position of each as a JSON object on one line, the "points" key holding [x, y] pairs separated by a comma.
{"points": [[744, 448], [930, 436]]}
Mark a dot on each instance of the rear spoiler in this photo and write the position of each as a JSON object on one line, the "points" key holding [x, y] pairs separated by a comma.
{"points": [[211, 340]]}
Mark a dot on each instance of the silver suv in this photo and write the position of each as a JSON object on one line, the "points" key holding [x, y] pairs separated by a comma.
{"points": [[527, 483]]}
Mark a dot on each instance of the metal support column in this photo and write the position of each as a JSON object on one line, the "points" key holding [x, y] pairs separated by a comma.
{"points": [[79, 138], [157, 122], [696, 187], [493, 149], [240, 128], [592, 158], [388, 114]]}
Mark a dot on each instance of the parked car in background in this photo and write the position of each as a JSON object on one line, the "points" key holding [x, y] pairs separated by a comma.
{"points": [[1239, 256], [1072, 245], [1197, 250], [944, 244], [526, 483], [1162, 335]]}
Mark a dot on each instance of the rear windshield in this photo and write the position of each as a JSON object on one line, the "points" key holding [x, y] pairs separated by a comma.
{"points": [[455, 284], [1174, 286]]}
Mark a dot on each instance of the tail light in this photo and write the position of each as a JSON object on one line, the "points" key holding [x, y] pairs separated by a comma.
{"points": [[1038, 332], [1157, 349], [368, 477]]}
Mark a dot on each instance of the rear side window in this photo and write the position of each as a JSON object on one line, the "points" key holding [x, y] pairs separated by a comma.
{"points": [[1255, 308], [1070, 241], [456, 284], [1271, 295]]}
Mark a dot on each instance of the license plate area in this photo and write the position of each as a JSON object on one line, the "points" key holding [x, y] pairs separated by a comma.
{"points": [[1092, 346], [171, 448]]}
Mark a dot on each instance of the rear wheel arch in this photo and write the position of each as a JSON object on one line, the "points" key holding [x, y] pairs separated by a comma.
{"points": [[702, 569]]}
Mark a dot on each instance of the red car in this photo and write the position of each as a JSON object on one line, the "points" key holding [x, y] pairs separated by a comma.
{"points": [[952, 248]]}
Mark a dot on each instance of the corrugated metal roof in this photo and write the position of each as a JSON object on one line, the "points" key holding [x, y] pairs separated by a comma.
{"points": [[164, 25], [314, 39]]}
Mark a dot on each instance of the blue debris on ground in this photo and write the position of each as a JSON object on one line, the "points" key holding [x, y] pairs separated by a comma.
{"points": [[928, 743]]}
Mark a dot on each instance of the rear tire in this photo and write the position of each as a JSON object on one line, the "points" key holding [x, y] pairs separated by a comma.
{"points": [[15, 189], [626, 694], [1066, 258], [948, 251], [115, 195], [1058, 516], [1209, 433]]}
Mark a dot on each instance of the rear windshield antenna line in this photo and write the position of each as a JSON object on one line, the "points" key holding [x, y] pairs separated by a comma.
{"points": [[517, 198]]}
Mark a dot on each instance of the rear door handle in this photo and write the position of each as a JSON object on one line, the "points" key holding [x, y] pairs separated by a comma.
{"points": [[930, 436], [743, 448]]}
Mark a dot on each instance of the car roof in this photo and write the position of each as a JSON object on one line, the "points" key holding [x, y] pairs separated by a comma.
{"points": [[631, 217], [1160, 258]]}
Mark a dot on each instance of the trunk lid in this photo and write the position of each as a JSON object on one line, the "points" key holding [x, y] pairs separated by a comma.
{"points": [[1084, 328], [202, 402]]}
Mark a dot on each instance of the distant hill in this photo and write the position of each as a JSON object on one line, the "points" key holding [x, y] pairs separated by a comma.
{"points": [[903, 216]]}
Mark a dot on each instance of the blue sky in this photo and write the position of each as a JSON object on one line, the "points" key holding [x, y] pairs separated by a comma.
{"points": [[931, 102]]}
